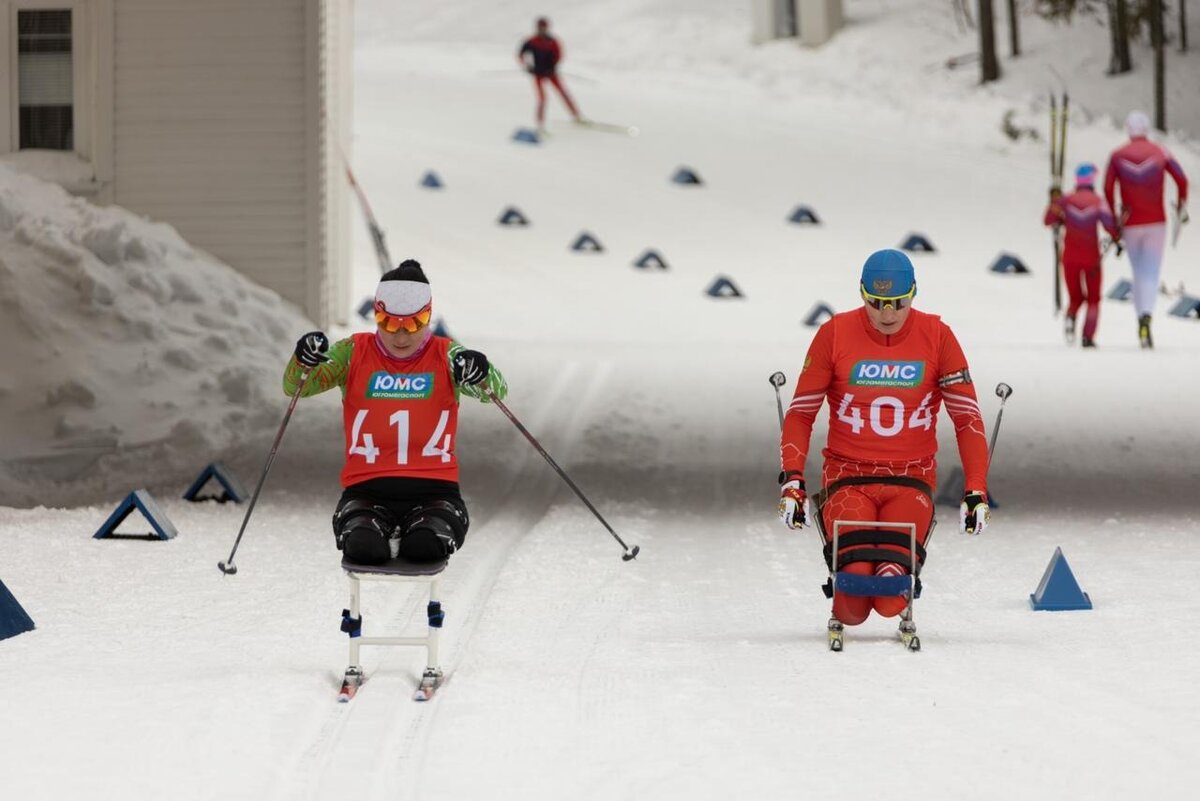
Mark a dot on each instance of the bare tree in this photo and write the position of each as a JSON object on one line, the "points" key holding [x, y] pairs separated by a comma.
{"points": [[1182, 26], [1014, 35], [1160, 89], [1118, 24], [989, 63]]}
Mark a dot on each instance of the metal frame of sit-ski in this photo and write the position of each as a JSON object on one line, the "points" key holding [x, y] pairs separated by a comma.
{"points": [[906, 586], [396, 570]]}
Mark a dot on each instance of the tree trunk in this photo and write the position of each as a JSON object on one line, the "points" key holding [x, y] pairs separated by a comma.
{"points": [[1183, 26], [1014, 34], [989, 64], [1119, 16], [1156, 38]]}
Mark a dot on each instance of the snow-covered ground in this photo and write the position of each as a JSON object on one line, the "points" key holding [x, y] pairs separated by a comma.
{"points": [[700, 669]]}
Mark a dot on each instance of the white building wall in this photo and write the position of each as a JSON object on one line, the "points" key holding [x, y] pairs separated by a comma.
{"points": [[337, 90], [213, 104]]}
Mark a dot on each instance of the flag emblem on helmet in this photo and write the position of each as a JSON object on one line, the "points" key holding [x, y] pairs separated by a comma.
{"points": [[881, 286]]}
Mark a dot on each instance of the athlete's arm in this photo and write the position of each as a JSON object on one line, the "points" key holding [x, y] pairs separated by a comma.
{"points": [[811, 387], [494, 381], [958, 394], [1181, 181], [324, 376]]}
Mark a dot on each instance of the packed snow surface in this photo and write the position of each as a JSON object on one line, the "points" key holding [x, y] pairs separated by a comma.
{"points": [[700, 670]]}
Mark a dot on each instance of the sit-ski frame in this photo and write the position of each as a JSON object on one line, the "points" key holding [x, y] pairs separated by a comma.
{"points": [[396, 570]]}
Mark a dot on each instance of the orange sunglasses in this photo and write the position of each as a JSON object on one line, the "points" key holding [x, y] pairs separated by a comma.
{"points": [[411, 323]]}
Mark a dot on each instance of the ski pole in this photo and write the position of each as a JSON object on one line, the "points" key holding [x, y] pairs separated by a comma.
{"points": [[778, 380], [629, 553], [1002, 391], [228, 567]]}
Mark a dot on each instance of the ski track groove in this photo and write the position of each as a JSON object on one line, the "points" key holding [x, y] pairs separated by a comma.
{"points": [[401, 743], [549, 485]]}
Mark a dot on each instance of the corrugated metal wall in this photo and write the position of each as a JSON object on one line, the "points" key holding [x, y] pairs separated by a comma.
{"points": [[211, 133]]}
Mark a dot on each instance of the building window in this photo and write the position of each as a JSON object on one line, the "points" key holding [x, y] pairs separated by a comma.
{"points": [[46, 91]]}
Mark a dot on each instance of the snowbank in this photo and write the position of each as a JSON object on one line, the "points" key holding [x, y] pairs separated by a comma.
{"points": [[127, 349]]}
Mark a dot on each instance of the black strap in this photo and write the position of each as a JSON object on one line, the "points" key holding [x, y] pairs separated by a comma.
{"points": [[859, 545]]}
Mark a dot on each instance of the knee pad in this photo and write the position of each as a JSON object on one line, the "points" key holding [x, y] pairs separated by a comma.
{"points": [[368, 526], [433, 531]]}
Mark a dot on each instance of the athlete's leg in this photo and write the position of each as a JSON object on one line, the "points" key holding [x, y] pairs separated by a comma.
{"points": [[850, 503], [901, 505], [1073, 279], [541, 99], [1093, 282], [433, 530], [566, 97], [1144, 243], [364, 529]]}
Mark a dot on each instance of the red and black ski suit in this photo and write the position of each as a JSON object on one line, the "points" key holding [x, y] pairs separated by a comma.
{"points": [[1079, 213], [546, 54]]}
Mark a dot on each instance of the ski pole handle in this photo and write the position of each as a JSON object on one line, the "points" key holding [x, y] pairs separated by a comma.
{"points": [[778, 380], [1002, 391]]}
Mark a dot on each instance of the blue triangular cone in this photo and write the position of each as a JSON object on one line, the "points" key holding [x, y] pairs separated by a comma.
{"points": [[586, 241], [1186, 306], [1058, 590], [803, 214], [686, 176], [1008, 263], [13, 619], [431, 180], [527, 135], [651, 258], [1121, 291], [231, 490], [366, 309], [918, 243], [723, 288], [142, 501], [512, 216], [439, 328], [819, 314]]}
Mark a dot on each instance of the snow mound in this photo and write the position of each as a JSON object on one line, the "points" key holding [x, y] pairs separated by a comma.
{"points": [[126, 347]]}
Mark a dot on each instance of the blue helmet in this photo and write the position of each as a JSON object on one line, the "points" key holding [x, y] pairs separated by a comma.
{"points": [[1085, 173], [888, 274]]}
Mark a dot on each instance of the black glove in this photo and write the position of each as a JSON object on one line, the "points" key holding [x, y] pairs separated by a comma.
{"points": [[470, 367], [311, 349]]}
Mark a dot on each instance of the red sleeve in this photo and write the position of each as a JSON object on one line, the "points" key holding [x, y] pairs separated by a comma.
{"points": [[1181, 180], [1053, 215], [1110, 184], [811, 387], [958, 394], [556, 49]]}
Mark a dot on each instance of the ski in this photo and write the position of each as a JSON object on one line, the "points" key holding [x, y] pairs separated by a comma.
{"points": [[608, 127], [431, 682], [908, 635], [350, 684], [836, 632]]}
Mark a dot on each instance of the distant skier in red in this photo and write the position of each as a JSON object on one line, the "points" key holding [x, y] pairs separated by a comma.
{"points": [[544, 53], [1080, 212], [1139, 169]]}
